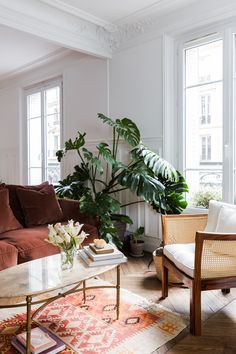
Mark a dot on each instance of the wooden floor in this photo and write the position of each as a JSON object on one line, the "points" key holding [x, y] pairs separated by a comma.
{"points": [[218, 311]]}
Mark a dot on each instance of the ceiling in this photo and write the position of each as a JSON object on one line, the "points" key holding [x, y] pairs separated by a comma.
{"points": [[118, 11], [19, 49], [110, 10]]}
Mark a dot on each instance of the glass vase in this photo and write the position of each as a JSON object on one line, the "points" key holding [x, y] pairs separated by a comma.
{"points": [[67, 258]]}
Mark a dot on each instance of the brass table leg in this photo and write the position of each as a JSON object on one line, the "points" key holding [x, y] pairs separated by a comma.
{"points": [[117, 292], [84, 291], [28, 323]]}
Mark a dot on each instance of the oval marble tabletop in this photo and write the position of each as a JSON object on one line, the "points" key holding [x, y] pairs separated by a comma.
{"points": [[43, 275]]}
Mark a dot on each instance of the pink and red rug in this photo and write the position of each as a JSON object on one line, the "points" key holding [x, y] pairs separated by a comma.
{"points": [[91, 328]]}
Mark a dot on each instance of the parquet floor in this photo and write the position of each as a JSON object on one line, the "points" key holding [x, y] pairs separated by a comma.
{"points": [[218, 311]]}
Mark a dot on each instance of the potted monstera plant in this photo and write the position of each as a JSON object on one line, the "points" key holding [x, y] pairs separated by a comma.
{"points": [[100, 176]]}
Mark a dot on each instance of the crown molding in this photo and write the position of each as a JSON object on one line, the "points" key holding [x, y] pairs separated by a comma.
{"points": [[62, 5], [65, 29]]}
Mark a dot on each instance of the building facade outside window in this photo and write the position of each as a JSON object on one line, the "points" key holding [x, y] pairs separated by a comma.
{"points": [[205, 148], [44, 127], [203, 97], [205, 109]]}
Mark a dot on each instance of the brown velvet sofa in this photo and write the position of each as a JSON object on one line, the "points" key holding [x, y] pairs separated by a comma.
{"points": [[25, 243]]}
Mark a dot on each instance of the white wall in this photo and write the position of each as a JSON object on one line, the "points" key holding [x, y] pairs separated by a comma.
{"points": [[136, 93], [136, 86], [85, 94]]}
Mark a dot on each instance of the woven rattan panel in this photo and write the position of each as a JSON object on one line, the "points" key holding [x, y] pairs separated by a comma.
{"points": [[218, 259], [183, 229]]}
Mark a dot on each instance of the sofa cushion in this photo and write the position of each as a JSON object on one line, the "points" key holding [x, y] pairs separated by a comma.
{"points": [[14, 200], [8, 255], [31, 243], [7, 218], [39, 207], [182, 255]]}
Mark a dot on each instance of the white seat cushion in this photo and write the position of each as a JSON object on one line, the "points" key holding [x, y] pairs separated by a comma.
{"points": [[182, 255]]}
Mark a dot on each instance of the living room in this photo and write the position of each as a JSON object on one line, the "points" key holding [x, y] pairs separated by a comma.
{"points": [[149, 61]]}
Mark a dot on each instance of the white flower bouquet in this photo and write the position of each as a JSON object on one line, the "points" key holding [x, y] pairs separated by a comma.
{"points": [[68, 237]]}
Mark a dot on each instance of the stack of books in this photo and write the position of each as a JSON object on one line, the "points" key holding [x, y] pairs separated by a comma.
{"points": [[41, 342], [95, 257]]}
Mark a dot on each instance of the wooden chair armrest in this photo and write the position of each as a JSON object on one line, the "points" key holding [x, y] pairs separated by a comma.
{"points": [[182, 228], [202, 235]]}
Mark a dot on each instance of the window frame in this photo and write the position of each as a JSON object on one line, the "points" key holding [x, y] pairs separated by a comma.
{"points": [[39, 87], [228, 35]]}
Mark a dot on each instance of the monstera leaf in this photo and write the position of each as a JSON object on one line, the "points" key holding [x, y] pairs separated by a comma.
{"points": [[141, 183], [98, 205], [105, 152], [125, 128], [158, 165], [172, 201], [128, 130], [71, 145]]}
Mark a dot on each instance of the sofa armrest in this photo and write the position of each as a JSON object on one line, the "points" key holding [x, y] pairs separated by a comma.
{"points": [[71, 210], [182, 228]]}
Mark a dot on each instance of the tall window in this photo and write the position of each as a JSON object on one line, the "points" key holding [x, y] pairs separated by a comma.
{"points": [[203, 98], [43, 132]]}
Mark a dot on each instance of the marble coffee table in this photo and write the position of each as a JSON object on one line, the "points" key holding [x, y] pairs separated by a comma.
{"points": [[42, 281]]}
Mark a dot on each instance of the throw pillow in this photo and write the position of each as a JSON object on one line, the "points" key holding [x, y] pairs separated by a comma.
{"points": [[39, 207], [8, 221], [213, 214], [226, 224], [15, 202], [226, 220]]}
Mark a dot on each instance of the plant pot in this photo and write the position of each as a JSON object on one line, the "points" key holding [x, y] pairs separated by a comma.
{"points": [[136, 248]]}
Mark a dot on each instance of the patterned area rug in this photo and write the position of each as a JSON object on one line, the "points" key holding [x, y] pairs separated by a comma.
{"points": [[91, 328]]}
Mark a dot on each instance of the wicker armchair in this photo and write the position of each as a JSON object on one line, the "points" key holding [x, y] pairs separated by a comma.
{"points": [[201, 260]]}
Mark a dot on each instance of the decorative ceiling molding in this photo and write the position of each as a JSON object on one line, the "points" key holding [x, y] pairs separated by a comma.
{"points": [[62, 5], [62, 28]]}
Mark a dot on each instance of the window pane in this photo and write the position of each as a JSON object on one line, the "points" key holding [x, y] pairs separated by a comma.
{"points": [[35, 175], [204, 184], [204, 120], [34, 105], [52, 100], [52, 120], [34, 148], [204, 63], [44, 134]]}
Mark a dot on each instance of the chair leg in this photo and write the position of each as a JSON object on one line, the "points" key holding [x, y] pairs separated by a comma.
{"points": [[195, 310], [164, 282], [225, 291]]}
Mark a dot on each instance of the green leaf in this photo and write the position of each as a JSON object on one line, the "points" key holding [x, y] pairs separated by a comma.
{"points": [[128, 130], [88, 155], [71, 145], [105, 119], [125, 127], [122, 218], [141, 183], [105, 152], [157, 164]]}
